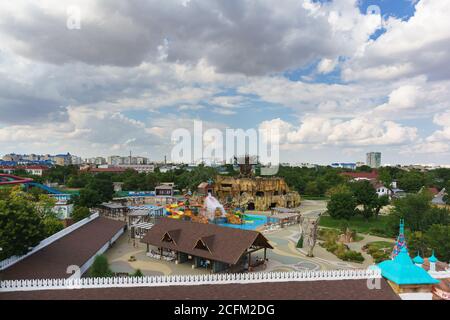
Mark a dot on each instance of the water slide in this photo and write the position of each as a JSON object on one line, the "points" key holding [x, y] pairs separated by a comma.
{"points": [[44, 187], [9, 179], [6, 179]]}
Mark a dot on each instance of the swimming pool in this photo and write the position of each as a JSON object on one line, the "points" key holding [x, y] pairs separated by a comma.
{"points": [[251, 222]]}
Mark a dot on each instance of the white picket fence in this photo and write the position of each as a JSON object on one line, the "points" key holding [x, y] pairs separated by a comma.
{"points": [[184, 280], [12, 260]]}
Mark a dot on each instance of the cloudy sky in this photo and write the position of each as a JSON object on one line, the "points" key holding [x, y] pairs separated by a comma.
{"points": [[336, 77]]}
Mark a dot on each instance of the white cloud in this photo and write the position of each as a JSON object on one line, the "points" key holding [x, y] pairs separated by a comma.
{"points": [[420, 45], [347, 133], [326, 65]]}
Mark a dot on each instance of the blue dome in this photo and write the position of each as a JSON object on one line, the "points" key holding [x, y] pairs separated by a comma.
{"points": [[403, 271], [432, 258], [418, 259]]}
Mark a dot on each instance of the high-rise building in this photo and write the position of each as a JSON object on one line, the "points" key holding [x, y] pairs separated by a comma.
{"points": [[373, 159]]}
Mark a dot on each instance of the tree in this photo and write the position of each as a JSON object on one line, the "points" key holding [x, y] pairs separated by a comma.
{"points": [[366, 197], [438, 239], [342, 205], [384, 175], [137, 273], [364, 168], [411, 181], [102, 186], [380, 203], [312, 189], [87, 198], [21, 227], [100, 268], [341, 188], [80, 213], [417, 243], [413, 208]]}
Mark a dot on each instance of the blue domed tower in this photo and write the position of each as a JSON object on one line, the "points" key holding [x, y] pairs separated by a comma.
{"points": [[432, 260], [418, 260], [402, 273]]}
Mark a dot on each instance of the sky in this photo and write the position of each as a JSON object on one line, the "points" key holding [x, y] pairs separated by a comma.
{"points": [[339, 78]]}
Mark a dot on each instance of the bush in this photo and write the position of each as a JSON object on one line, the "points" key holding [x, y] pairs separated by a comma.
{"points": [[100, 268], [300, 242], [352, 256], [137, 273], [79, 213]]}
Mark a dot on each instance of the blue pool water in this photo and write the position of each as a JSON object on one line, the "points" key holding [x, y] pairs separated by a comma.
{"points": [[251, 222]]}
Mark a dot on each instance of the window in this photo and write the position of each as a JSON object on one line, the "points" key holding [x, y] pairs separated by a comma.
{"points": [[167, 238], [200, 245]]}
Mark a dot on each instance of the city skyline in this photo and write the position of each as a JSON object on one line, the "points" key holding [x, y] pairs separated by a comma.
{"points": [[337, 78]]}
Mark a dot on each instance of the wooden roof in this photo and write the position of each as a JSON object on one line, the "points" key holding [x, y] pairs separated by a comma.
{"points": [[222, 244]]}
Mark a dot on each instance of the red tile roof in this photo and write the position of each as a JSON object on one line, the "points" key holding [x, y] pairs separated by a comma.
{"points": [[361, 175]]}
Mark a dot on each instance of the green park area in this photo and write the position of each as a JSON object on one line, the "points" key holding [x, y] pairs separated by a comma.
{"points": [[374, 226]]}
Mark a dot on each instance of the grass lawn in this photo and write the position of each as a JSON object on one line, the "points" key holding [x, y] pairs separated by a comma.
{"points": [[374, 226]]}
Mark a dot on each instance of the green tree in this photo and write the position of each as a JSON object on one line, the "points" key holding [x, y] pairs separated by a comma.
{"points": [[380, 203], [438, 239], [21, 227], [411, 181], [413, 208], [417, 243], [364, 168], [384, 175], [342, 205], [100, 268], [366, 197], [137, 273], [341, 188], [79, 213], [312, 189], [87, 198], [103, 186]]}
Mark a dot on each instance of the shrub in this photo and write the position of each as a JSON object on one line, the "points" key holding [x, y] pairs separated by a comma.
{"points": [[351, 255], [137, 273], [300, 242], [100, 267]]}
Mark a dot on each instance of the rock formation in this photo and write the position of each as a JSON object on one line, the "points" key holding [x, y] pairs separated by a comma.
{"points": [[255, 193]]}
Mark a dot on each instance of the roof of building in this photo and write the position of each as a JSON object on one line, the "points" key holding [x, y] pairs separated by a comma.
{"points": [[113, 205], [418, 259], [361, 175], [222, 243], [432, 258], [403, 271], [300, 290], [164, 186], [76, 248]]}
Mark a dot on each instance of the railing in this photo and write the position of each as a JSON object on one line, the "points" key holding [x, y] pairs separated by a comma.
{"points": [[183, 280], [12, 260]]}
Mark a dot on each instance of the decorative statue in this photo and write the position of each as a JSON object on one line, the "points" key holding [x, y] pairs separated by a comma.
{"points": [[309, 233]]}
